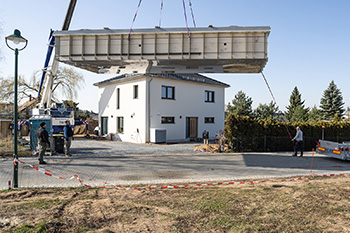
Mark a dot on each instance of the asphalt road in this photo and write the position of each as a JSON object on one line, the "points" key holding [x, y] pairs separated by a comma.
{"points": [[100, 162]]}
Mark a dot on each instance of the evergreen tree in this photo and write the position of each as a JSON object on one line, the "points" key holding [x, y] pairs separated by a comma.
{"points": [[299, 115], [332, 102], [241, 105], [265, 111], [294, 102], [315, 115], [336, 118]]}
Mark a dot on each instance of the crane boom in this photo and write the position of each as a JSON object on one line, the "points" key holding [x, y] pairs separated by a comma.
{"points": [[52, 70], [69, 15]]}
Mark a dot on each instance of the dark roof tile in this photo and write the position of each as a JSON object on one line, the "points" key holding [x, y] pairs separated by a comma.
{"points": [[197, 78]]}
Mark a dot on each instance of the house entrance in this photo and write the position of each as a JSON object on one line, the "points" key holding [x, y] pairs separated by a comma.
{"points": [[192, 127], [104, 125]]}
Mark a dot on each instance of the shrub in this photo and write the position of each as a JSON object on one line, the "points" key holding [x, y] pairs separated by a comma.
{"points": [[249, 134]]}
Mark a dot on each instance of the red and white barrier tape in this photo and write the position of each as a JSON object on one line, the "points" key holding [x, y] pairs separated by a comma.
{"points": [[107, 185], [48, 172]]}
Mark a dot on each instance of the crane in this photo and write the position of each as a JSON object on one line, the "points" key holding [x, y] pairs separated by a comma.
{"points": [[56, 117]]}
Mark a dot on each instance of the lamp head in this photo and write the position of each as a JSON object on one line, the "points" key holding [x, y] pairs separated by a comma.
{"points": [[16, 38]]}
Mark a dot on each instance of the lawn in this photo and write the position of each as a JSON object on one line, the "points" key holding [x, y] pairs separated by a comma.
{"points": [[317, 205]]}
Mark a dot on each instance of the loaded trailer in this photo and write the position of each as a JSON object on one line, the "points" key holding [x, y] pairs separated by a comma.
{"points": [[334, 149]]}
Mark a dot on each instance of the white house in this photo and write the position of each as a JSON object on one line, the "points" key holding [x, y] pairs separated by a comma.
{"points": [[160, 107]]}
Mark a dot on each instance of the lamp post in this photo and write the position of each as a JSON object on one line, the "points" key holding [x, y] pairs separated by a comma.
{"points": [[16, 44]]}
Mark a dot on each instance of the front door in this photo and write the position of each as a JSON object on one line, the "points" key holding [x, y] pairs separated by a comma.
{"points": [[192, 127], [104, 125]]}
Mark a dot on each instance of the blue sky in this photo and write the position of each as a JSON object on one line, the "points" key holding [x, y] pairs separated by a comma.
{"points": [[309, 44]]}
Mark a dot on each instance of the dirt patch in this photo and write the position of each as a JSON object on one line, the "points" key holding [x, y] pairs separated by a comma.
{"points": [[211, 148], [317, 205]]}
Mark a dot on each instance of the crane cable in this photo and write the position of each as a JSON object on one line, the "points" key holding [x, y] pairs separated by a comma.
{"points": [[134, 19], [160, 18], [161, 11], [274, 99], [185, 14], [192, 13]]}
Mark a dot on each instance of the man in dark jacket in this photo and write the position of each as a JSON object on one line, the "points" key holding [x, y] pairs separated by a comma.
{"points": [[43, 142], [68, 135]]}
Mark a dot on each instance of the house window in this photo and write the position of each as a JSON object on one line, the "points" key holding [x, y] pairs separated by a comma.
{"points": [[168, 92], [209, 120], [120, 124], [136, 91], [118, 98], [168, 120], [209, 96]]}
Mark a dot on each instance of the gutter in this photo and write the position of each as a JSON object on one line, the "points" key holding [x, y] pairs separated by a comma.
{"points": [[148, 123]]}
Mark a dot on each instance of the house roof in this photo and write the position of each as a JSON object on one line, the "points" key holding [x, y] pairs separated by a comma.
{"points": [[197, 78]]}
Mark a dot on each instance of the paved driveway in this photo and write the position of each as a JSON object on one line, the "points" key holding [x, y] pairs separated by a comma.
{"points": [[97, 162], [92, 148]]}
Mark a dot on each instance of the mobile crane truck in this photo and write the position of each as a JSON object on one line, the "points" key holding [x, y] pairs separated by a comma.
{"points": [[54, 115]]}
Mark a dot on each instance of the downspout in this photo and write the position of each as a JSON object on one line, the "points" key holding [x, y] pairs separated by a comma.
{"points": [[148, 130]]}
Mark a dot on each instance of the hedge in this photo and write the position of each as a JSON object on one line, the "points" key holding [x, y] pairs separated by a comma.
{"points": [[246, 134]]}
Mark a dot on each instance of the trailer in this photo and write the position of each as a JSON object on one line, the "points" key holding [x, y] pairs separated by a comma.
{"points": [[334, 149]]}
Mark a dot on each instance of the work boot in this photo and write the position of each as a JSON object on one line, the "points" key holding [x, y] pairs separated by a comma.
{"points": [[68, 155], [42, 162], [301, 155]]}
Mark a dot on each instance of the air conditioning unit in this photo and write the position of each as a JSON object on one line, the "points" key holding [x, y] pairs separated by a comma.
{"points": [[158, 135]]}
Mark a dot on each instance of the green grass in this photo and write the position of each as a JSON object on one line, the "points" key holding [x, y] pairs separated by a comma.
{"points": [[43, 204], [28, 228]]}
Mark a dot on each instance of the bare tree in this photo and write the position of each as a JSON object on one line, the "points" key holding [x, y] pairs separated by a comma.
{"points": [[67, 82]]}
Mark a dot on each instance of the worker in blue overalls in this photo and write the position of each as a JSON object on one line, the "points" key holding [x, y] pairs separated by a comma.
{"points": [[68, 136]]}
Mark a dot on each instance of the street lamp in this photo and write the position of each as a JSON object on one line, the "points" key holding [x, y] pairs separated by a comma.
{"points": [[16, 44]]}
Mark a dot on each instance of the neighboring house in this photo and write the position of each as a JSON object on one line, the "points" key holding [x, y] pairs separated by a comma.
{"points": [[346, 115], [133, 106], [6, 109]]}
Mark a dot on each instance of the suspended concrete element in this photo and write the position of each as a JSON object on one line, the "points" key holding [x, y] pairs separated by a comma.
{"points": [[165, 50]]}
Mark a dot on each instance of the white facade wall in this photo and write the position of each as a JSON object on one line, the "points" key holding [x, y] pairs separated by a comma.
{"points": [[189, 102], [132, 110]]}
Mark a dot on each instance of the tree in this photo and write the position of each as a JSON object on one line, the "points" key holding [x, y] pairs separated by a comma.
{"points": [[299, 115], [265, 111], [294, 102], [315, 115], [241, 105], [336, 118], [25, 89], [67, 81], [332, 102], [2, 39]]}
